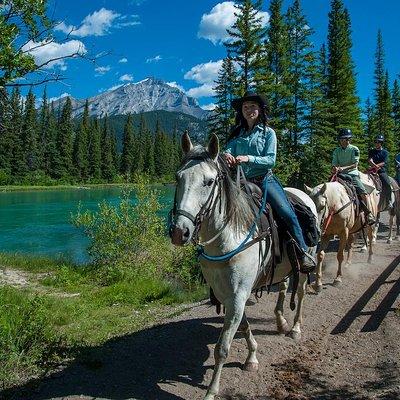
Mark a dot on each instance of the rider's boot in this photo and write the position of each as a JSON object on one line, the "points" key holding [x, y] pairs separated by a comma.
{"points": [[368, 214]]}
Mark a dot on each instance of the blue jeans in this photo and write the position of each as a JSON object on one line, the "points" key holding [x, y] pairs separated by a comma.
{"points": [[281, 206]]}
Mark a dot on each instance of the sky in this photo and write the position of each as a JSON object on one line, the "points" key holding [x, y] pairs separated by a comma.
{"points": [[181, 42]]}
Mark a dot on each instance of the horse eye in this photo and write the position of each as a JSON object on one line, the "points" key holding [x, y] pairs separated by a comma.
{"points": [[210, 182]]}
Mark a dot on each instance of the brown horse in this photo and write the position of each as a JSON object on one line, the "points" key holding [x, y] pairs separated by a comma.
{"points": [[338, 217]]}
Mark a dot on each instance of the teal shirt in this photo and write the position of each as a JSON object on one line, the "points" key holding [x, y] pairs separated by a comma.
{"points": [[344, 157], [259, 145]]}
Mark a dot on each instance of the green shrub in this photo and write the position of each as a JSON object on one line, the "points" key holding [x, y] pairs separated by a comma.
{"points": [[128, 240], [27, 338]]}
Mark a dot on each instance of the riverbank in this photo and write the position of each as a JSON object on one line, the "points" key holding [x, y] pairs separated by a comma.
{"points": [[83, 186], [50, 310]]}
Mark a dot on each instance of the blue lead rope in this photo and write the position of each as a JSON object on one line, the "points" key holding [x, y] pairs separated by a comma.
{"points": [[227, 256]]}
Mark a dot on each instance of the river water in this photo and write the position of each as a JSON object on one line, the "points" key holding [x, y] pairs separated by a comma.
{"points": [[39, 222]]}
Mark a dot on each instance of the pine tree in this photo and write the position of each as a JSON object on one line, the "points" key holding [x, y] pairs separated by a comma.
{"points": [[316, 161], [138, 166], [30, 138], [107, 160], [341, 78], [300, 68], [50, 152], [128, 149], [162, 151], [396, 115], [43, 121], [18, 164], [63, 168], [95, 151], [274, 81], [6, 137], [149, 162], [81, 147], [246, 44], [369, 131], [222, 118]]}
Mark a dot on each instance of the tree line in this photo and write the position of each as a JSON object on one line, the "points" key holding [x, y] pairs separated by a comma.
{"points": [[48, 146], [311, 92]]}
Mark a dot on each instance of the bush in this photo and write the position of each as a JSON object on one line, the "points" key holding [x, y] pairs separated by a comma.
{"points": [[128, 240], [27, 340]]}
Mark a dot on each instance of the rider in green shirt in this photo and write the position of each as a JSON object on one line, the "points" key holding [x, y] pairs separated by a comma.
{"points": [[345, 164]]}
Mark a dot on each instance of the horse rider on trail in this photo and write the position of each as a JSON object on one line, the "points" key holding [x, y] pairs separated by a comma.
{"points": [[378, 160], [253, 145], [345, 161]]}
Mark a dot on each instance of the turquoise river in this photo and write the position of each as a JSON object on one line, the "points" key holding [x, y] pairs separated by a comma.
{"points": [[38, 223]]}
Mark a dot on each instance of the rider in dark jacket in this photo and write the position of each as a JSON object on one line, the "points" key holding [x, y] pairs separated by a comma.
{"points": [[378, 159]]}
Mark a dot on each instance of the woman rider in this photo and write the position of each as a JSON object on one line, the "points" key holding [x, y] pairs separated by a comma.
{"points": [[253, 145]]}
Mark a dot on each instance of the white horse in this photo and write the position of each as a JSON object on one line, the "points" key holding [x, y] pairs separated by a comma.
{"points": [[338, 217], [208, 203]]}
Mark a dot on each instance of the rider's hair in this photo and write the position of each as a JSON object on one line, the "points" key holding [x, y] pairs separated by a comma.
{"points": [[241, 123]]}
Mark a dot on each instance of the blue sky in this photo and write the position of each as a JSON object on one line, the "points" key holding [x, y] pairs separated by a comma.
{"points": [[179, 41]]}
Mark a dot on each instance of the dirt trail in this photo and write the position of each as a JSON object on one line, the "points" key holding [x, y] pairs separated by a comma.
{"points": [[350, 348]]}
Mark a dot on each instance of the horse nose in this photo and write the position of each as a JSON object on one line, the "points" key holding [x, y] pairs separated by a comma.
{"points": [[180, 236]]}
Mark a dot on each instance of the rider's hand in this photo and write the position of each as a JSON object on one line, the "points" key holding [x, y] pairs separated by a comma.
{"points": [[230, 159], [242, 159]]}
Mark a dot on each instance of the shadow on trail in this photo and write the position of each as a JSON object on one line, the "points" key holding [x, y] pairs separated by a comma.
{"points": [[377, 316], [133, 366]]}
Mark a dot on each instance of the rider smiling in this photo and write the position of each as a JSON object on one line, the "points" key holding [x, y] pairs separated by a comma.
{"points": [[253, 145]]}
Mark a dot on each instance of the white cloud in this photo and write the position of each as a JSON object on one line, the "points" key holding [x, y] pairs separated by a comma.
{"points": [[123, 60], [98, 23], [213, 25], [102, 70], [204, 73], [205, 90], [109, 89], [126, 78], [51, 99], [208, 107], [176, 85], [44, 51], [154, 59]]}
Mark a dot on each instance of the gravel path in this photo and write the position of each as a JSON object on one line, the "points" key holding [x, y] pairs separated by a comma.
{"points": [[350, 348]]}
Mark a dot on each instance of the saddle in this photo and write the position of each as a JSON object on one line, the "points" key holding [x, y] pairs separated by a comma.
{"points": [[351, 191]]}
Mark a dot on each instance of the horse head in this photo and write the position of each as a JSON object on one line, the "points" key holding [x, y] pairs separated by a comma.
{"points": [[196, 183], [320, 199]]}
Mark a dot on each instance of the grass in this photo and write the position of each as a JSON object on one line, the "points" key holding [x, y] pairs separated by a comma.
{"points": [[69, 307]]}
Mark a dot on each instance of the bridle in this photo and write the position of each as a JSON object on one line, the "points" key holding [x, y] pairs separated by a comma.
{"points": [[204, 211]]}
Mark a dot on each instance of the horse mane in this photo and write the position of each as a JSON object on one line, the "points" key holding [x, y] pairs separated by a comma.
{"points": [[239, 213]]}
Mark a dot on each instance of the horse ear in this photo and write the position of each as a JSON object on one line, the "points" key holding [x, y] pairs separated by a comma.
{"points": [[213, 146], [307, 189], [186, 143], [323, 189]]}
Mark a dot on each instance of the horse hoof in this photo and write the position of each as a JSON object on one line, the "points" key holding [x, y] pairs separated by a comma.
{"points": [[209, 396], [318, 288], [389, 241], [337, 282], [370, 261], [283, 329], [250, 366], [296, 336], [363, 249]]}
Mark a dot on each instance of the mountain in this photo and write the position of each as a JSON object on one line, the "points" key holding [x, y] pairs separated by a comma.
{"points": [[151, 94]]}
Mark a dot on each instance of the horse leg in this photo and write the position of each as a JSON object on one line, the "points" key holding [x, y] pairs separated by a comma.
{"points": [[320, 259], [251, 363], [233, 316], [391, 222], [295, 333], [375, 229], [340, 256], [281, 323], [350, 243], [370, 233]]}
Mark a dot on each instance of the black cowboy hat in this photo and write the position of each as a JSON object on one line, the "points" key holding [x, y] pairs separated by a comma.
{"points": [[249, 96]]}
